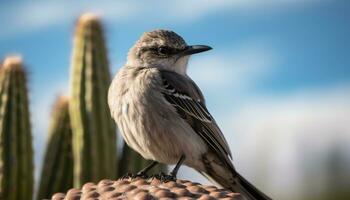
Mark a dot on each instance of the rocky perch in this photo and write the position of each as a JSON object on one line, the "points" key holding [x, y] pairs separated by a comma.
{"points": [[146, 189]]}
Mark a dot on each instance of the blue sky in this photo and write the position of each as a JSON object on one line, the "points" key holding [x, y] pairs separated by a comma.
{"points": [[278, 60]]}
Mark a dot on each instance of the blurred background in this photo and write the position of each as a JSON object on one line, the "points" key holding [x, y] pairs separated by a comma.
{"points": [[277, 80]]}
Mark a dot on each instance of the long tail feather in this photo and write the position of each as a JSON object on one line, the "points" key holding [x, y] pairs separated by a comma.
{"points": [[227, 177], [246, 189]]}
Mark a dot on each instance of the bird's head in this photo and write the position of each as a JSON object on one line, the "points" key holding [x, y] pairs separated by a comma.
{"points": [[163, 49]]}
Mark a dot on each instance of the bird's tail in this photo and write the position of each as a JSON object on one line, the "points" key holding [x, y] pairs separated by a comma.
{"points": [[246, 189], [227, 177], [238, 184]]}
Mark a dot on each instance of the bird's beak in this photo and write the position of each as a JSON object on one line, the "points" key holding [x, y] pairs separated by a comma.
{"points": [[189, 50]]}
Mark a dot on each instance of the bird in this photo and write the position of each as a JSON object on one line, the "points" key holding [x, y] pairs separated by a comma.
{"points": [[162, 113]]}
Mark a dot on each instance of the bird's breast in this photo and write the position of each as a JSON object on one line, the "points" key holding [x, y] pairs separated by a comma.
{"points": [[150, 125]]}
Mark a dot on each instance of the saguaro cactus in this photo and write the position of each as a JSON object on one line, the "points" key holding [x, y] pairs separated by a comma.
{"points": [[16, 165], [94, 135], [152, 188], [57, 170]]}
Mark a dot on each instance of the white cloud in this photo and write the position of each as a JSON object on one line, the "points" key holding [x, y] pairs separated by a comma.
{"points": [[275, 140], [188, 10], [31, 16]]}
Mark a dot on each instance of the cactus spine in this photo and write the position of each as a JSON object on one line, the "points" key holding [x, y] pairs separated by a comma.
{"points": [[57, 170], [16, 164], [94, 135]]}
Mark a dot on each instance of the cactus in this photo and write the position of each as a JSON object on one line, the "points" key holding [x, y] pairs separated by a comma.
{"points": [[57, 170], [153, 188], [16, 162], [132, 162], [94, 133]]}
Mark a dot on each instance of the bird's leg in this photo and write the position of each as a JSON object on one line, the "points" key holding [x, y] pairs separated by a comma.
{"points": [[173, 173], [143, 172], [177, 166]]}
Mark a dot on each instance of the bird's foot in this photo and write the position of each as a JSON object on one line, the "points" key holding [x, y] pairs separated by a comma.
{"points": [[126, 176], [140, 175], [165, 177], [133, 176]]}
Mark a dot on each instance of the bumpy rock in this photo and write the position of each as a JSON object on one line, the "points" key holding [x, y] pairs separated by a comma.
{"points": [[146, 189]]}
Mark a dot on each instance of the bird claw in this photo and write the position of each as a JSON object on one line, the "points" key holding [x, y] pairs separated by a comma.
{"points": [[165, 177], [133, 176], [126, 176], [140, 175]]}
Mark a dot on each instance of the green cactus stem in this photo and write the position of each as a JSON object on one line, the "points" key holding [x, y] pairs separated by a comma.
{"points": [[16, 161], [94, 133], [57, 169]]}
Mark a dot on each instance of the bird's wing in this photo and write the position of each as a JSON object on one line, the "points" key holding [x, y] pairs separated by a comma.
{"points": [[181, 92]]}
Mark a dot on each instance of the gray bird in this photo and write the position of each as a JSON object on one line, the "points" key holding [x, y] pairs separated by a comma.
{"points": [[162, 115]]}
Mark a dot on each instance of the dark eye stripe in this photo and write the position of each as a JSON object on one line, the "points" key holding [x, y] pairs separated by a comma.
{"points": [[168, 50], [164, 50]]}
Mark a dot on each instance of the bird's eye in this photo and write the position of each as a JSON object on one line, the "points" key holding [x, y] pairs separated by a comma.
{"points": [[163, 50]]}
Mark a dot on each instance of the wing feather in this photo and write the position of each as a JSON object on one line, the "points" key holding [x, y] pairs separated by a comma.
{"points": [[181, 92]]}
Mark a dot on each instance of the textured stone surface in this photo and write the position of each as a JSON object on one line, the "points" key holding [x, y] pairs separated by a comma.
{"points": [[146, 189]]}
